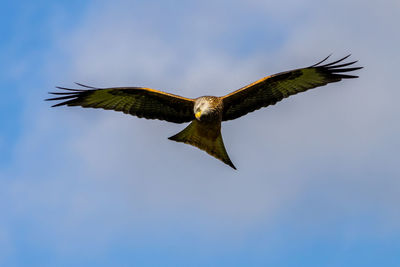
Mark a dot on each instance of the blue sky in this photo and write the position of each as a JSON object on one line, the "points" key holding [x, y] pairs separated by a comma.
{"points": [[318, 174]]}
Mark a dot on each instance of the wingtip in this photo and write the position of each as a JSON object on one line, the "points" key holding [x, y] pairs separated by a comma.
{"points": [[57, 105], [69, 89], [316, 64], [86, 86], [335, 62]]}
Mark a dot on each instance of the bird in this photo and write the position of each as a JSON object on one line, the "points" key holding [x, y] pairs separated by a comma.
{"points": [[206, 113]]}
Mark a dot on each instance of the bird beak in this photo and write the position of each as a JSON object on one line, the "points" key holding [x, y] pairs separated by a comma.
{"points": [[198, 115]]}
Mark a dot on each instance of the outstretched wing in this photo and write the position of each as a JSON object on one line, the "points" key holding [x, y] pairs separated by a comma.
{"points": [[274, 88], [141, 102]]}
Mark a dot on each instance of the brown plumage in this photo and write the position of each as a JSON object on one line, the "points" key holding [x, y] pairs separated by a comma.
{"points": [[206, 113]]}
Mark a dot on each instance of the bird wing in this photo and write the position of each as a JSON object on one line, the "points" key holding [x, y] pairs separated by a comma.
{"points": [[274, 88], [138, 101]]}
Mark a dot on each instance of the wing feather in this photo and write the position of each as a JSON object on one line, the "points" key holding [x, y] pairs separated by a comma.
{"points": [[138, 101], [272, 89]]}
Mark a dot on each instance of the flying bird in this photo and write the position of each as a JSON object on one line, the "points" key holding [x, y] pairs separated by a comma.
{"points": [[207, 112]]}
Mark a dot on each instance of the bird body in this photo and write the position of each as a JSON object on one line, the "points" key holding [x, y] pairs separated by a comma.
{"points": [[206, 113], [205, 131]]}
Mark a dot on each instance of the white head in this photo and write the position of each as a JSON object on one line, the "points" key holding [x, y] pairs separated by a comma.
{"points": [[201, 107]]}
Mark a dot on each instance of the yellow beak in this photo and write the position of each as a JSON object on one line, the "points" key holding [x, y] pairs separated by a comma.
{"points": [[198, 115]]}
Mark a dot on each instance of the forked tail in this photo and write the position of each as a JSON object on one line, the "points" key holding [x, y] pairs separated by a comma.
{"points": [[206, 138]]}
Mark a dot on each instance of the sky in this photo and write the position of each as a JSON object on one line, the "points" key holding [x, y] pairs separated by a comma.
{"points": [[318, 179]]}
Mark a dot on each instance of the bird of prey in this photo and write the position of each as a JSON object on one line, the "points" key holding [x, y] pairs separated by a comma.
{"points": [[207, 112]]}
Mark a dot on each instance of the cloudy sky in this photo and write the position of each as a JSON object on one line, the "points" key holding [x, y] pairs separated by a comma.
{"points": [[318, 180]]}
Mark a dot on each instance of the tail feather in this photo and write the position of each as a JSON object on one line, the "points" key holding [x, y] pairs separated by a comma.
{"points": [[206, 138]]}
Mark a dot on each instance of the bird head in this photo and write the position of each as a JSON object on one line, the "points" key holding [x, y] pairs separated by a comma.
{"points": [[202, 108]]}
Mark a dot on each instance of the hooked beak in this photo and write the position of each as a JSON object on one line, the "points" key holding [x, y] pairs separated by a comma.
{"points": [[198, 115]]}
